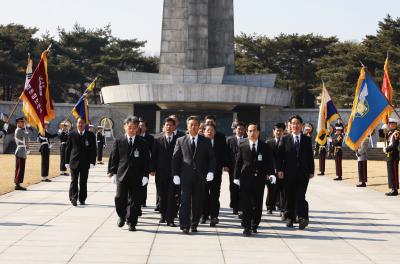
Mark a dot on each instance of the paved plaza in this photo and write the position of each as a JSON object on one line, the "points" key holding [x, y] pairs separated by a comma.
{"points": [[348, 225]]}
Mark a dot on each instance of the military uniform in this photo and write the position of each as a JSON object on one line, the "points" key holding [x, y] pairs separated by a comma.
{"points": [[44, 150], [21, 137], [101, 142], [63, 136], [337, 141], [321, 152], [392, 161], [361, 154]]}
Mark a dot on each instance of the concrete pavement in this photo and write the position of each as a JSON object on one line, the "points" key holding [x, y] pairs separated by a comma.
{"points": [[348, 225]]}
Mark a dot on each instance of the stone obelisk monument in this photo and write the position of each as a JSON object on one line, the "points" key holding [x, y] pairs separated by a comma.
{"points": [[197, 34]]}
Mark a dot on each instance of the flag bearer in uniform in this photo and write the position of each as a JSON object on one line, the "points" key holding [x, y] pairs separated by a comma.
{"points": [[63, 134], [44, 150], [392, 135], [21, 136], [361, 154], [337, 141]]}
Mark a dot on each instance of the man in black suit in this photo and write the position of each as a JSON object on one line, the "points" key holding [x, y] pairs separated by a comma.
{"points": [[275, 191], [193, 164], [63, 134], [150, 141], [161, 161], [101, 143], [130, 164], [295, 164], [80, 155], [254, 166], [213, 188], [177, 132], [233, 143]]}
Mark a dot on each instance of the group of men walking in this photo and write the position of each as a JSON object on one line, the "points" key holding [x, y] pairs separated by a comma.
{"points": [[188, 172]]}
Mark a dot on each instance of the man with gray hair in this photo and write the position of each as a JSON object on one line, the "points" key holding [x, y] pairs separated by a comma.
{"points": [[193, 164], [130, 164]]}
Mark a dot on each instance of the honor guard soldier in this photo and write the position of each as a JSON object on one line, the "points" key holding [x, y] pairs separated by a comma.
{"points": [[101, 143], [320, 150], [391, 135], [361, 154], [337, 141], [44, 150], [63, 134], [21, 137]]}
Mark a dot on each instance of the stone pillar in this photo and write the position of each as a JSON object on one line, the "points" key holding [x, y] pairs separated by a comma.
{"points": [[119, 113]]}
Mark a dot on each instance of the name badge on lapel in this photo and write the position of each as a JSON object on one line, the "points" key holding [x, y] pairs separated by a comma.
{"points": [[136, 153], [259, 157], [86, 143]]}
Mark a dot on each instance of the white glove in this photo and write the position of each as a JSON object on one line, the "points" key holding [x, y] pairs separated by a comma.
{"points": [[114, 179], [237, 182], [177, 180], [272, 179], [210, 176], [28, 152], [91, 166], [385, 126], [145, 181], [5, 127], [67, 166]]}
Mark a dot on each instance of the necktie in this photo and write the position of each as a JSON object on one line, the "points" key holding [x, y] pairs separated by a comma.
{"points": [[169, 140], [130, 142], [253, 150], [297, 145], [193, 146]]}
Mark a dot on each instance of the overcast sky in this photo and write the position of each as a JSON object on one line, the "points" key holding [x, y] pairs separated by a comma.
{"points": [[141, 19]]}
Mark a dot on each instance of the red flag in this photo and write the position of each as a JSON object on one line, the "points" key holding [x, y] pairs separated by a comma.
{"points": [[386, 89], [38, 106]]}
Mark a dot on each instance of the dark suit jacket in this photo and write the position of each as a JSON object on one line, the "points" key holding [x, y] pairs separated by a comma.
{"points": [[81, 150], [125, 164], [193, 166], [271, 144], [221, 154], [295, 167], [247, 165], [149, 139], [233, 148], [161, 156]]}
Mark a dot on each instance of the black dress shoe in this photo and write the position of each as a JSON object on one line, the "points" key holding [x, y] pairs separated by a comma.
{"points": [[338, 179], [235, 212], [214, 221], [185, 230], [303, 223], [132, 228], [162, 220], [74, 203], [82, 202], [157, 209], [144, 205], [193, 229], [20, 188], [289, 223], [361, 185], [393, 192], [283, 216], [320, 174], [121, 222], [246, 232], [269, 211], [171, 225], [254, 230], [46, 180]]}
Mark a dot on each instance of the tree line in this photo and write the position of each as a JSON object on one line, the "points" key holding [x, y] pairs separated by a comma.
{"points": [[300, 61]]}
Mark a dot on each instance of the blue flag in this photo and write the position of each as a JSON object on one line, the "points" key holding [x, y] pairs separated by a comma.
{"points": [[369, 106], [81, 109]]}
